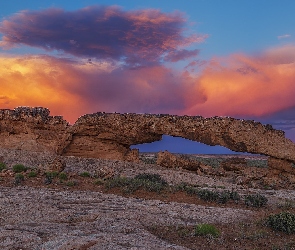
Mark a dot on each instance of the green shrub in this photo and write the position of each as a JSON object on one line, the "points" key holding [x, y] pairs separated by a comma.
{"points": [[255, 200], [18, 179], [117, 181], [220, 197], [51, 175], [283, 221], [32, 174], [149, 182], [257, 163], [155, 178], [206, 229], [2, 166], [189, 189], [62, 176], [85, 174], [71, 183], [18, 168], [208, 195], [234, 196]]}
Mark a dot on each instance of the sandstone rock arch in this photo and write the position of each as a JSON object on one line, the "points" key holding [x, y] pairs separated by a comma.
{"points": [[120, 131], [110, 135]]}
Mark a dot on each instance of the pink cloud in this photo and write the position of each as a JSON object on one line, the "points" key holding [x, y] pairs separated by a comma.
{"points": [[242, 85]]}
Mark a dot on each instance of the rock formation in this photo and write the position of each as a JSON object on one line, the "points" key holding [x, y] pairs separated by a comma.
{"points": [[110, 135], [31, 129]]}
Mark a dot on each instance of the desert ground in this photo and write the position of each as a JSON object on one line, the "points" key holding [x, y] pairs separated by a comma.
{"points": [[104, 204]]}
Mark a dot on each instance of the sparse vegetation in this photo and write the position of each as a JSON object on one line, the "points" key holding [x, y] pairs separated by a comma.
{"points": [[149, 182], [32, 174], [213, 162], [71, 183], [255, 200], [98, 182], [2, 166], [219, 197], [209, 195], [206, 229], [284, 222], [257, 163], [18, 168], [85, 174], [62, 176], [51, 175], [18, 179]]}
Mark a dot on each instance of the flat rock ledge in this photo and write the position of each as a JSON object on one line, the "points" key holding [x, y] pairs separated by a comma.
{"points": [[67, 220]]}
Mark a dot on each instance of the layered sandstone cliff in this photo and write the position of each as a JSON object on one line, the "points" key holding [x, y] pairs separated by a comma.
{"points": [[110, 135]]}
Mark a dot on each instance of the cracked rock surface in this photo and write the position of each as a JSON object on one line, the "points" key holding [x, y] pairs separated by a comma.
{"points": [[40, 218]]}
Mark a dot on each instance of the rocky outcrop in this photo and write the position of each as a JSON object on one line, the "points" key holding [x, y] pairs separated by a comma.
{"points": [[110, 135], [169, 160], [31, 129]]}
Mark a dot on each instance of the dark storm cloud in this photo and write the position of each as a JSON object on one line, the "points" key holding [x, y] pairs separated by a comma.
{"points": [[135, 37]]}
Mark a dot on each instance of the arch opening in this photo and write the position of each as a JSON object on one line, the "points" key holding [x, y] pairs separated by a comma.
{"points": [[183, 146]]}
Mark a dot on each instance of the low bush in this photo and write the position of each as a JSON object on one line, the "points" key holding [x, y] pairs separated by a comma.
{"points": [[71, 183], [18, 168], [284, 222], [62, 176], [255, 200], [32, 174], [189, 189], [208, 195], [206, 229], [85, 174], [219, 197], [155, 178], [149, 182], [2, 166], [51, 175], [18, 179]]}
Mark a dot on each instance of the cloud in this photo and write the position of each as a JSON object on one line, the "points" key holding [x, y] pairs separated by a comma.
{"points": [[246, 86], [242, 86], [284, 36], [4, 100], [257, 87], [175, 56], [140, 37], [73, 88]]}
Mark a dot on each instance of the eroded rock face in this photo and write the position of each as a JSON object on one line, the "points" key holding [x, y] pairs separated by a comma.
{"points": [[109, 136], [118, 131], [168, 160], [31, 129]]}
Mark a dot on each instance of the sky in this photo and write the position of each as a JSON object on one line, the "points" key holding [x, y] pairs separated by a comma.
{"points": [[189, 57]]}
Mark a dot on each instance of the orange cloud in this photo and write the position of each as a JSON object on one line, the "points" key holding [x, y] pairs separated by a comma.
{"points": [[242, 85], [72, 88], [39, 81]]}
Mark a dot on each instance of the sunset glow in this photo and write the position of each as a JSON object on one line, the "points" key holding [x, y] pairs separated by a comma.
{"points": [[144, 60]]}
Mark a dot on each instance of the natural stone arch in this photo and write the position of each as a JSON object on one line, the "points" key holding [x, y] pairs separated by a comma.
{"points": [[117, 132], [109, 136]]}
